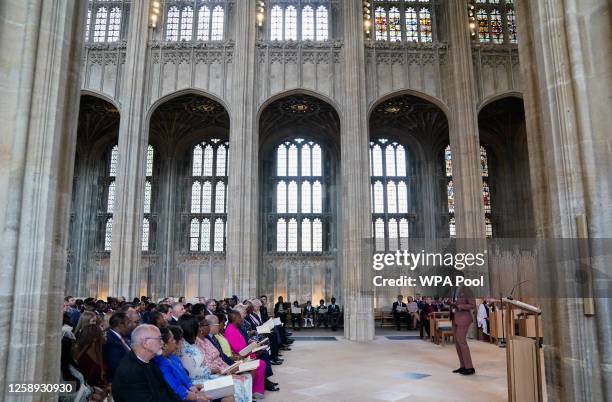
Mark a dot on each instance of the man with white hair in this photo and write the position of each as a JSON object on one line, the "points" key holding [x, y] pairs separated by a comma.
{"points": [[137, 378], [177, 311]]}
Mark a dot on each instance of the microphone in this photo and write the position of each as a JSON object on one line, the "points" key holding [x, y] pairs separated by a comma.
{"points": [[515, 287]]}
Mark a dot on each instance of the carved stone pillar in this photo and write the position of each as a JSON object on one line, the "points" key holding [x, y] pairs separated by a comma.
{"points": [[124, 275], [355, 221], [463, 127], [242, 201], [40, 51], [566, 60]]}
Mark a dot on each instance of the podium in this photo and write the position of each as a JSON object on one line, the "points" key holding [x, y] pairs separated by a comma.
{"points": [[524, 363]]}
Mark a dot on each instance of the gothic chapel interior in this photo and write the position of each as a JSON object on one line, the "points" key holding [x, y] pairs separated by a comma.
{"points": [[244, 147]]}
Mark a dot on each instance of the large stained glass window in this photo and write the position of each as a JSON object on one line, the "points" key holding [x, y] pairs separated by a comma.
{"points": [[450, 191], [313, 17], [495, 21], [396, 21], [207, 212], [104, 21], [112, 161], [391, 192], [200, 20], [299, 212]]}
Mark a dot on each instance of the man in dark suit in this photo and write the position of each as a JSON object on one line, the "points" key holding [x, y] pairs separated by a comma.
{"points": [[263, 310], [397, 314], [136, 378], [116, 346], [462, 306], [333, 312]]}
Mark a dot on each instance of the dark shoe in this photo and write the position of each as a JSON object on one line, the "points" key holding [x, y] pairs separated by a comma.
{"points": [[469, 371], [459, 370], [275, 362], [286, 348], [288, 333], [271, 388]]}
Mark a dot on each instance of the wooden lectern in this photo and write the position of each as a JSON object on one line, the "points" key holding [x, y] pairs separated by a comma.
{"points": [[523, 356]]}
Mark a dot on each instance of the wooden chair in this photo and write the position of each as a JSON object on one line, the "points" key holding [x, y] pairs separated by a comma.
{"points": [[433, 323], [444, 329], [387, 319]]}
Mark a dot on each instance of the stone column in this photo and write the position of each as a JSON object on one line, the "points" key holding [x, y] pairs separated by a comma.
{"points": [[242, 202], [40, 51], [463, 126], [124, 275], [566, 59], [355, 222]]}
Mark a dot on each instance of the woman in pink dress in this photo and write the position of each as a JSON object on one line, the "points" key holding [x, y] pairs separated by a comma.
{"points": [[237, 343]]}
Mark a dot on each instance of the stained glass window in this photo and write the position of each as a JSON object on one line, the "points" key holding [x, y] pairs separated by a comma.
{"points": [[208, 196], [110, 203], [145, 234], [298, 214], [109, 195], [390, 173], [408, 20], [100, 25], [114, 25], [290, 23], [496, 22], [172, 24], [486, 192]]}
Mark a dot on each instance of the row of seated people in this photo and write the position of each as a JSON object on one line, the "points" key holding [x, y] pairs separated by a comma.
{"points": [[322, 315], [169, 351], [417, 311]]}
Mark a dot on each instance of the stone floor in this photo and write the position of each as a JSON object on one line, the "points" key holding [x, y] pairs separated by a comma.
{"points": [[325, 367]]}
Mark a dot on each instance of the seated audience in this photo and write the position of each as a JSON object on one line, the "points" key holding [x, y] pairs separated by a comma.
{"points": [[86, 318], [177, 311], [88, 356], [192, 357], [116, 346], [237, 343], [280, 310], [333, 312], [399, 316], [321, 314], [296, 317], [308, 315], [428, 309], [413, 312], [137, 378]]}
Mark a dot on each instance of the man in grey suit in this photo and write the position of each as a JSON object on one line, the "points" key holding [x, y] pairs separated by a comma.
{"points": [[462, 306]]}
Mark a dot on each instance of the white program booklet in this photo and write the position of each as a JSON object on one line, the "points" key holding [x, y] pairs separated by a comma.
{"points": [[220, 387]]}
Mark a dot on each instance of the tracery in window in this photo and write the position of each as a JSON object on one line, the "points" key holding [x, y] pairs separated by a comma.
{"points": [[409, 20], [110, 195], [148, 195], [486, 192], [106, 18], [312, 15], [495, 22], [208, 196], [299, 196], [390, 194], [204, 23]]}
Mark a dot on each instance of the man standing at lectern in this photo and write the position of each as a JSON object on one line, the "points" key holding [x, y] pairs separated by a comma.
{"points": [[462, 306]]}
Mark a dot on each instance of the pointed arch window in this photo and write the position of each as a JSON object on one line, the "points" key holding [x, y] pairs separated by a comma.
{"points": [[299, 214], [450, 191], [392, 189], [495, 22], [409, 20], [301, 20], [208, 197]]}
